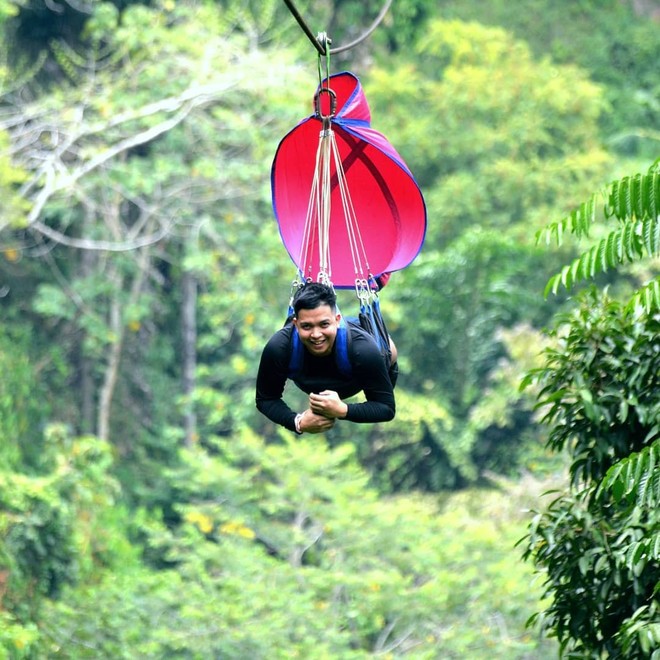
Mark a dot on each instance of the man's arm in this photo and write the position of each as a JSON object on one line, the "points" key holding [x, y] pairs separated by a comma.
{"points": [[271, 379], [370, 372]]}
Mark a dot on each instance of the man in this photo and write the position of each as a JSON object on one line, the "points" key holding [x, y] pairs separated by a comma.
{"points": [[321, 373]]}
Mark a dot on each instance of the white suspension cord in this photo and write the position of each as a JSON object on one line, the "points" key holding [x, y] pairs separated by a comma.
{"points": [[356, 244], [313, 212], [325, 146], [317, 220]]}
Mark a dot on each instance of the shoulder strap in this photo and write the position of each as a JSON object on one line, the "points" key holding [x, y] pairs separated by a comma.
{"points": [[296, 355], [342, 343]]}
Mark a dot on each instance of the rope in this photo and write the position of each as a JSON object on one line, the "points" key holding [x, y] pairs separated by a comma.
{"points": [[367, 33], [325, 146], [326, 41]]}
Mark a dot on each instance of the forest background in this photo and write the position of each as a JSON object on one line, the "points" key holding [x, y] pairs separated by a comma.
{"points": [[146, 509]]}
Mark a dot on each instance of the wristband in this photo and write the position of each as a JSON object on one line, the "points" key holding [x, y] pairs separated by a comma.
{"points": [[297, 423]]}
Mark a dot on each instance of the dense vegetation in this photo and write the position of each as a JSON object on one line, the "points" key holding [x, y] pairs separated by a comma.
{"points": [[147, 510]]}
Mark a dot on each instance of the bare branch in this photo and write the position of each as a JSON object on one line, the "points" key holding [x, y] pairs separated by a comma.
{"points": [[197, 95], [52, 174], [106, 246], [384, 635], [54, 185]]}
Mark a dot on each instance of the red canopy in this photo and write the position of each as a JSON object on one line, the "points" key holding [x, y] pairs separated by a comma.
{"points": [[389, 206]]}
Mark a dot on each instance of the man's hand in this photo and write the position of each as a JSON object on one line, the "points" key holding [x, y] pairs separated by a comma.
{"points": [[328, 404], [310, 422]]}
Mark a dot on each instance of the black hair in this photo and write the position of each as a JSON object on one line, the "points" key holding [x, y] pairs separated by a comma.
{"points": [[314, 294]]}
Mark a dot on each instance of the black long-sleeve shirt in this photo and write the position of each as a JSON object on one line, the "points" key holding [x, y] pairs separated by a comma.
{"points": [[369, 374]]}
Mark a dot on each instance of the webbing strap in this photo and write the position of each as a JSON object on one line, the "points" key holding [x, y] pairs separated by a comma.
{"points": [[341, 352], [372, 321]]}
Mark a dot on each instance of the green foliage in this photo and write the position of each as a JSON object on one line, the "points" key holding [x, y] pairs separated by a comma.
{"points": [[14, 206], [418, 450], [56, 529], [634, 201], [37, 541], [162, 119], [599, 386], [17, 641], [9, 8], [283, 550], [165, 157], [622, 56], [636, 479], [499, 430], [24, 404], [483, 105], [451, 354], [427, 448], [598, 543], [499, 140]]}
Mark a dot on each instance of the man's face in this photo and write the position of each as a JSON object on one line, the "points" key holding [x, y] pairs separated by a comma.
{"points": [[317, 329]]}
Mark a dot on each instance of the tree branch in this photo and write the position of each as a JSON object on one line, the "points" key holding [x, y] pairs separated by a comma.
{"points": [[54, 176], [108, 246]]}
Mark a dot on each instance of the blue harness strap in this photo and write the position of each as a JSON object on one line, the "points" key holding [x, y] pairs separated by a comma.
{"points": [[341, 349], [341, 352]]}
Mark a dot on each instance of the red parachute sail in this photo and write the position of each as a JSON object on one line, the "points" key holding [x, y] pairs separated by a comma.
{"points": [[388, 205]]}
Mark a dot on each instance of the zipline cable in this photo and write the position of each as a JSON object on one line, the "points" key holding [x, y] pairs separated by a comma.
{"points": [[322, 47]]}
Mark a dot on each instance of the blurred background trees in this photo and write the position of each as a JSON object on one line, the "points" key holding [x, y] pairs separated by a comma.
{"points": [[141, 271]]}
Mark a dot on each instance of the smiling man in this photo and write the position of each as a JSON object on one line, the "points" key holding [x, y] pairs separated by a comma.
{"points": [[329, 360]]}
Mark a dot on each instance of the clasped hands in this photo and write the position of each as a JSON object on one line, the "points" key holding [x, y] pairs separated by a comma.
{"points": [[324, 408]]}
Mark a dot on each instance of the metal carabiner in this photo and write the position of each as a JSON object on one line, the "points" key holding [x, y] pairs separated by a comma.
{"points": [[318, 111]]}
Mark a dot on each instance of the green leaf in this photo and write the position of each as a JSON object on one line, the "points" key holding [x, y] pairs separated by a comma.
{"points": [[646, 298], [612, 249], [634, 201], [584, 564], [651, 236]]}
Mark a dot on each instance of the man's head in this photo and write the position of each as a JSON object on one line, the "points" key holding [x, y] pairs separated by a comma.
{"points": [[316, 317]]}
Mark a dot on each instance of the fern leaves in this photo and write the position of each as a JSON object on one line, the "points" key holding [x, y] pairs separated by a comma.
{"points": [[578, 223], [636, 478], [648, 297], [635, 196], [630, 242], [635, 202]]}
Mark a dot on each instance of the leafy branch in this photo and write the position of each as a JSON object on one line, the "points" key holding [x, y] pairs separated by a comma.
{"points": [[636, 477], [635, 202]]}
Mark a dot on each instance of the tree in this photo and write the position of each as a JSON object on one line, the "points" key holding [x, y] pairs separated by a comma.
{"points": [[58, 527], [8, 9], [624, 48], [597, 542]]}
